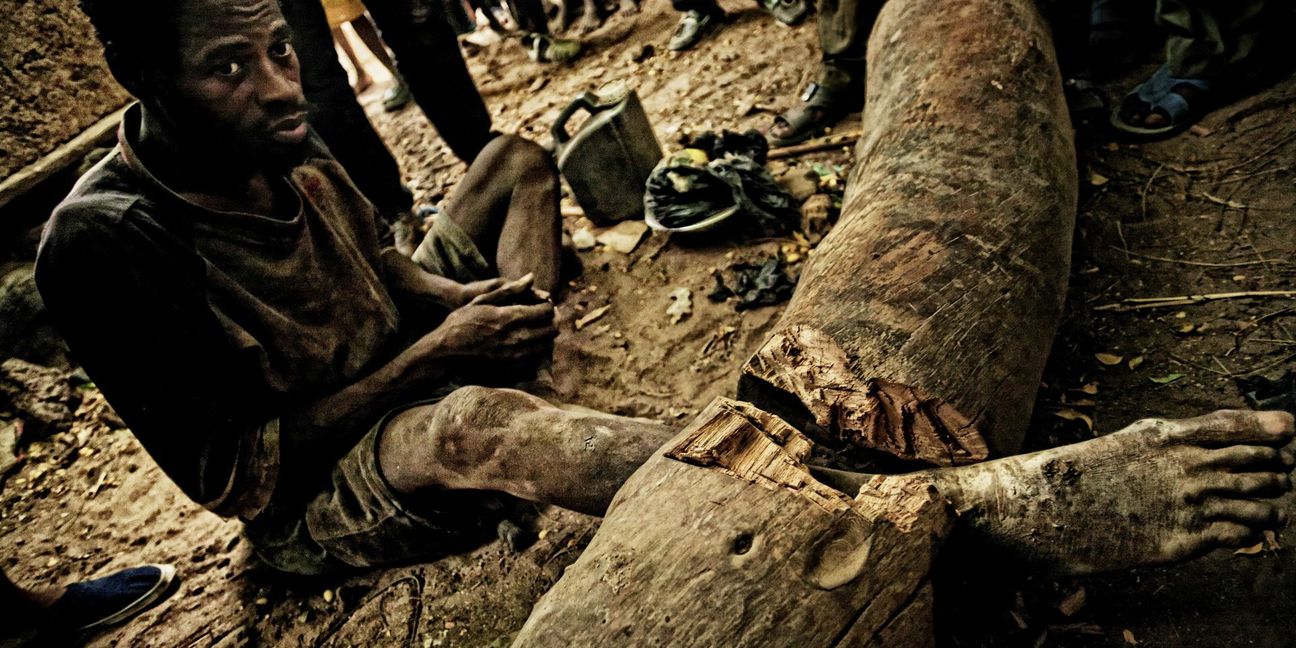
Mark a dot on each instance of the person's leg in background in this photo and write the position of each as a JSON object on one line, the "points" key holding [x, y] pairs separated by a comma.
{"points": [[363, 80], [701, 17], [541, 45], [397, 96], [337, 117], [844, 26], [428, 57]]}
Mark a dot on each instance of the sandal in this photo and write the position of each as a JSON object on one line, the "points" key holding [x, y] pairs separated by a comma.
{"points": [[114, 598], [787, 12], [1157, 95], [543, 48], [820, 107]]}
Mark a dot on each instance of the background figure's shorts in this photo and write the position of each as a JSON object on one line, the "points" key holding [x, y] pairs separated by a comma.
{"points": [[355, 520], [448, 251]]}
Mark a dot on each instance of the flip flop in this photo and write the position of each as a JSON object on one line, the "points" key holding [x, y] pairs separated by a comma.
{"points": [[802, 120], [787, 12], [114, 598], [543, 48], [1158, 94]]}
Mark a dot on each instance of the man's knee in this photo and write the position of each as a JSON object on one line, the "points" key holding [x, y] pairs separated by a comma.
{"points": [[527, 158], [464, 427]]}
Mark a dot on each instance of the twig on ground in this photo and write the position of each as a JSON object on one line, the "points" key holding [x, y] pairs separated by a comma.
{"points": [[815, 145], [1189, 363], [1140, 303], [1247, 176], [1271, 365], [1144, 194], [1205, 264], [1222, 366]]}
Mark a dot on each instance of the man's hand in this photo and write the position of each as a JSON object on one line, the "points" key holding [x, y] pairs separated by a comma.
{"points": [[510, 322]]}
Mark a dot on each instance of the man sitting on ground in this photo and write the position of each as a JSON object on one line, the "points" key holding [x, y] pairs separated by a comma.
{"points": [[219, 278]]}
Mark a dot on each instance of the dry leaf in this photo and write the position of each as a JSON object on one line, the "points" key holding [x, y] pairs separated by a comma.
{"points": [[1072, 415], [1072, 603], [1271, 541], [1109, 359], [1097, 179], [1129, 637], [1090, 388], [1135, 362], [1166, 379], [1250, 551], [1021, 623]]}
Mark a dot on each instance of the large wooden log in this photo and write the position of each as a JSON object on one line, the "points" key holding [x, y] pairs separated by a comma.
{"points": [[725, 539], [922, 322], [919, 330]]}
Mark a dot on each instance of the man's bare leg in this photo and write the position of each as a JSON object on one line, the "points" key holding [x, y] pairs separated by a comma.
{"points": [[508, 205], [506, 440], [1155, 492]]}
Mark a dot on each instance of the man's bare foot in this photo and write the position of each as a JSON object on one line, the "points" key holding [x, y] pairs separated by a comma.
{"points": [[1158, 491]]}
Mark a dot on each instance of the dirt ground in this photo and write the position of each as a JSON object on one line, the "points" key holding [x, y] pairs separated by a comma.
{"points": [[53, 79], [1205, 212]]}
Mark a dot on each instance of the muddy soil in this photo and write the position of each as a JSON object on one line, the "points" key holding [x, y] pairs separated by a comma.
{"points": [[53, 81], [1206, 212]]}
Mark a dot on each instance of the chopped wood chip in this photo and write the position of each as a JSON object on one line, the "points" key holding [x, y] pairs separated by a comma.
{"points": [[591, 316]]}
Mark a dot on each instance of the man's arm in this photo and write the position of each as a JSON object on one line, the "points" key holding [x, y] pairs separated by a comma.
{"points": [[409, 282], [492, 326]]}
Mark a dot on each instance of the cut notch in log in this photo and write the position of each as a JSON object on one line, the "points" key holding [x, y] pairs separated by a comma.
{"points": [[805, 376], [725, 538]]}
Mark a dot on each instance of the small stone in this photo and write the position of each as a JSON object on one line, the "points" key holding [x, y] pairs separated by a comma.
{"points": [[583, 239], [624, 237]]}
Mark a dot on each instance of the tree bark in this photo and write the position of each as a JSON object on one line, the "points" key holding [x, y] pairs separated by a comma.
{"points": [[922, 322], [725, 539], [919, 330]]}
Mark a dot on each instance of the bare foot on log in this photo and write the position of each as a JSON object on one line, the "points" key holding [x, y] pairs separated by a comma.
{"points": [[1156, 492]]}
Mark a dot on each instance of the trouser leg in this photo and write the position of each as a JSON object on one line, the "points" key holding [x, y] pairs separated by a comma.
{"points": [[708, 7], [428, 57], [844, 26], [1208, 39], [337, 117]]}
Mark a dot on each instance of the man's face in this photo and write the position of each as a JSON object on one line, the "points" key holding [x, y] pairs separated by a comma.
{"points": [[238, 88]]}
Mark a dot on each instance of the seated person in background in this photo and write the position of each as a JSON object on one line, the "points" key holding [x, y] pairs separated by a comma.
{"points": [[218, 276]]}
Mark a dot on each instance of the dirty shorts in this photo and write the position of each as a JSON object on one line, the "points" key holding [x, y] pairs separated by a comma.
{"points": [[353, 519], [448, 251]]}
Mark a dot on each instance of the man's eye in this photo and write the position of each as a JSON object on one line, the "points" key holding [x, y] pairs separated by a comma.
{"points": [[227, 69], [281, 49]]}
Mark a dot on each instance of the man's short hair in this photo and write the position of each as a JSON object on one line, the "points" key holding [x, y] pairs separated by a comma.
{"points": [[137, 36]]}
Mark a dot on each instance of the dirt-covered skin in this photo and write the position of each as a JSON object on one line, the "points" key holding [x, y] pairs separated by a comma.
{"points": [[1156, 492]]}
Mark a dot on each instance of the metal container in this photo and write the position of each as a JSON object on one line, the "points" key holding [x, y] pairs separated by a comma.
{"points": [[608, 160]]}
